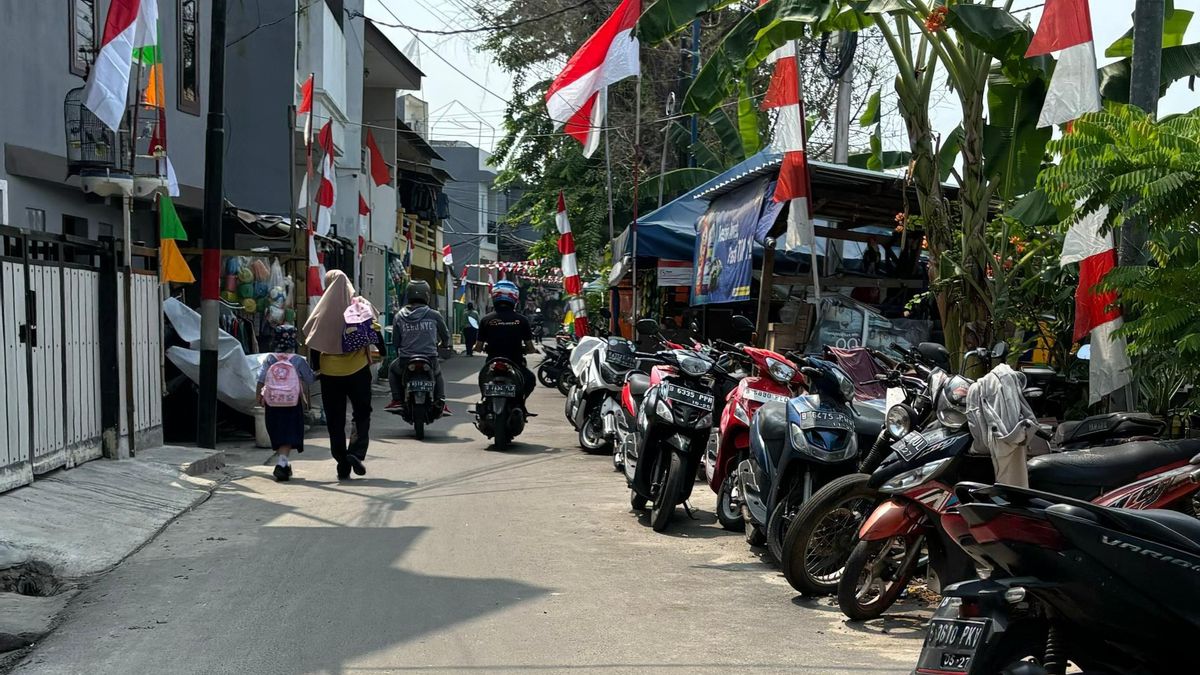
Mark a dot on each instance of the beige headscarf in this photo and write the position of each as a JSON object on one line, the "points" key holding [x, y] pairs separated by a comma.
{"points": [[325, 325]]}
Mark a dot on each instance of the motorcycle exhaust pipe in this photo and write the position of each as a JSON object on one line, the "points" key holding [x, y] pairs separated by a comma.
{"points": [[610, 426]]}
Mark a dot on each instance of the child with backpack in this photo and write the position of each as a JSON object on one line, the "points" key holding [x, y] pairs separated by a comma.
{"points": [[282, 383]]}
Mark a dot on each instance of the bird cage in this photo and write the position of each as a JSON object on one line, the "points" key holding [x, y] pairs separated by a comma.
{"points": [[149, 145], [95, 153]]}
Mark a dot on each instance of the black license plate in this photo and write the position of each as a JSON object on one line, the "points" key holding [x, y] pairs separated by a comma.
{"points": [[825, 419], [915, 442], [950, 644], [500, 390], [619, 360], [420, 385], [691, 397]]}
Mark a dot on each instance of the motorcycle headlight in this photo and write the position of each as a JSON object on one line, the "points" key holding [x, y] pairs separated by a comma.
{"points": [[798, 439], [780, 371], [845, 384], [664, 411], [898, 421], [950, 416], [740, 414], [694, 365], [956, 390], [916, 476]]}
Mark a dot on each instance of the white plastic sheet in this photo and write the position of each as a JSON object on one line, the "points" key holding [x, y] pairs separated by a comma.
{"points": [[237, 372]]}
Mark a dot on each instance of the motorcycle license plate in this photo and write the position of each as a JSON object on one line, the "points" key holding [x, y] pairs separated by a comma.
{"points": [[761, 396], [420, 385], [950, 644], [915, 442], [619, 360], [690, 397], [811, 419], [500, 390]]}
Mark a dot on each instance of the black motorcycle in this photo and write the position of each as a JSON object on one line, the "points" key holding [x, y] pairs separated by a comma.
{"points": [[419, 407], [1110, 590], [501, 414], [553, 366]]}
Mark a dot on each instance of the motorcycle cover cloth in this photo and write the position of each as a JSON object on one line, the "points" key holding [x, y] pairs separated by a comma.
{"points": [[1002, 422]]}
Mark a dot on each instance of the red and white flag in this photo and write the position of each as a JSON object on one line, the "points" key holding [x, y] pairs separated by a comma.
{"points": [[327, 191], [785, 96], [379, 166], [315, 280], [1096, 313], [305, 108], [570, 268], [1066, 27], [130, 25], [577, 99], [364, 225], [447, 255]]}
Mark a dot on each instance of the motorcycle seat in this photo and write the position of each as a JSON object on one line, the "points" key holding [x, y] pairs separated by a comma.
{"points": [[1038, 372], [639, 384], [1089, 472], [1099, 428], [1168, 527]]}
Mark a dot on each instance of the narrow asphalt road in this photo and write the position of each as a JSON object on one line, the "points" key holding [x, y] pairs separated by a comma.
{"points": [[450, 557]]}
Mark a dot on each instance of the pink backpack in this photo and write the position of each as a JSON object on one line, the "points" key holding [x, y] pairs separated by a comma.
{"points": [[281, 388]]}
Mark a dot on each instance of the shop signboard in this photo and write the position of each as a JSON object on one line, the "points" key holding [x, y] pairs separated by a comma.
{"points": [[674, 273], [725, 246]]}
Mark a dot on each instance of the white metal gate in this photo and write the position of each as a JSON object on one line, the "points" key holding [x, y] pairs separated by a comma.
{"points": [[15, 465]]}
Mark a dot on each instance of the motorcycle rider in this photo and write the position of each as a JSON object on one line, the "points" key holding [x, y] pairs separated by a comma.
{"points": [[417, 332], [507, 333]]}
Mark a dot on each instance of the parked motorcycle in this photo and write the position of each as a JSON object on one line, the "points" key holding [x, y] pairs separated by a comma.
{"points": [[555, 363], [1110, 590], [674, 419], [917, 481], [501, 414], [419, 407], [598, 393], [773, 378], [796, 448]]}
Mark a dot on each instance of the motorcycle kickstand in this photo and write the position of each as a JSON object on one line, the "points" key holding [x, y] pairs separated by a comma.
{"points": [[687, 508]]}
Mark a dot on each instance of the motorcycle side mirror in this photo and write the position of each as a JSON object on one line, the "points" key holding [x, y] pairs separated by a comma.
{"points": [[936, 354], [694, 327], [647, 327], [741, 323], [1000, 351]]}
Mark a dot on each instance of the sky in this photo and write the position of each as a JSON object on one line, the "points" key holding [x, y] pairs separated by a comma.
{"points": [[467, 93]]}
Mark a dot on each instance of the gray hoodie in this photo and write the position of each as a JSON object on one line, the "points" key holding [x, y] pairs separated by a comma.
{"points": [[417, 331]]}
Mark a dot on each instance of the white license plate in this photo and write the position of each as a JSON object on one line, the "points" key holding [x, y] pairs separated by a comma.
{"points": [[420, 385], [825, 419], [690, 397], [500, 390]]}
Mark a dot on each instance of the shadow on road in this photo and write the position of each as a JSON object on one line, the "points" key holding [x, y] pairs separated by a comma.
{"points": [[904, 626]]}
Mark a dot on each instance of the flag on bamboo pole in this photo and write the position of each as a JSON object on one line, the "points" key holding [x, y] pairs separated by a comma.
{"points": [[154, 96], [1096, 312], [172, 267], [305, 108], [784, 94], [364, 215], [577, 99], [379, 166], [570, 268], [327, 190], [130, 25], [447, 255], [1066, 27]]}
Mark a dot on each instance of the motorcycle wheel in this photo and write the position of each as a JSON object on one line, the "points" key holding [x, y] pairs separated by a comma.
{"points": [[565, 382], [637, 501], [501, 440], [876, 573], [419, 423], [824, 532], [729, 512], [781, 519], [591, 437], [546, 378], [665, 500]]}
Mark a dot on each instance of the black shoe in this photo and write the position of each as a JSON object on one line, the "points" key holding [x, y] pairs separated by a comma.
{"points": [[357, 465], [343, 471], [283, 473]]}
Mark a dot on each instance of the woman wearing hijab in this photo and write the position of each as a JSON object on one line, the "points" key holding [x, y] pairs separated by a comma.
{"points": [[344, 376]]}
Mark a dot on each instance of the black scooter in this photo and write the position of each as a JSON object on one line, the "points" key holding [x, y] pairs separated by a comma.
{"points": [[419, 406], [501, 414], [1111, 590]]}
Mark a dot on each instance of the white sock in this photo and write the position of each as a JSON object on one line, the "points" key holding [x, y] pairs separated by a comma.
{"points": [[283, 461]]}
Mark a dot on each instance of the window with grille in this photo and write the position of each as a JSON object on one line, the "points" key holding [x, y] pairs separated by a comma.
{"points": [[83, 36], [189, 57]]}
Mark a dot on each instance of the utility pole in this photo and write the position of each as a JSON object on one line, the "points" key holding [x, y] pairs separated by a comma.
{"points": [[841, 123], [1148, 16], [214, 207], [695, 121]]}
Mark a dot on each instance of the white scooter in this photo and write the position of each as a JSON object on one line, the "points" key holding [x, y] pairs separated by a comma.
{"points": [[601, 375]]}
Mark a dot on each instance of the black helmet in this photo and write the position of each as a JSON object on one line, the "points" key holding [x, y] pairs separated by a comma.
{"points": [[418, 291]]}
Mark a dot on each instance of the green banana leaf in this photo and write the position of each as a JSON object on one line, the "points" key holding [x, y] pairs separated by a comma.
{"points": [[679, 181], [748, 122], [664, 18], [1175, 24], [871, 114], [1035, 210], [951, 144], [1000, 35], [852, 17], [1177, 63], [706, 158], [1013, 146], [729, 132], [890, 159], [747, 45]]}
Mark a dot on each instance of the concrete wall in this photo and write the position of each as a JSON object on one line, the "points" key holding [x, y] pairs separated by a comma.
{"points": [[472, 203], [35, 42]]}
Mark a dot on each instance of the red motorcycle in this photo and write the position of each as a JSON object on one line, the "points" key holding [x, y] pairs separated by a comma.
{"points": [[773, 377]]}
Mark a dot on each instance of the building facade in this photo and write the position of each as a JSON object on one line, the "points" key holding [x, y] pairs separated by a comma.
{"points": [[475, 206]]}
